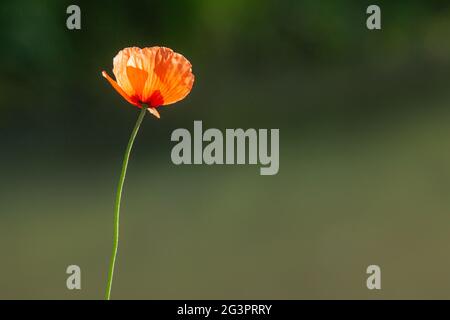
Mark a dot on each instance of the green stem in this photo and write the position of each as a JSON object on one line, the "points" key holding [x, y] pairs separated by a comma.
{"points": [[118, 198]]}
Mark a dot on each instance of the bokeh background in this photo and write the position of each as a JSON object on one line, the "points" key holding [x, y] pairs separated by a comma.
{"points": [[364, 152]]}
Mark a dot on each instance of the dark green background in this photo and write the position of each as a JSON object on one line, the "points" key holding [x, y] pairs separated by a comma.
{"points": [[364, 152]]}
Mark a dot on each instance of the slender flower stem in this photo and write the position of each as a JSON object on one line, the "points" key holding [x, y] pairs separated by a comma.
{"points": [[118, 198]]}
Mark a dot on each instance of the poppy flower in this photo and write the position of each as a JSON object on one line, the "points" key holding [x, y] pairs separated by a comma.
{"points": [[155, 76], [147, 78]]}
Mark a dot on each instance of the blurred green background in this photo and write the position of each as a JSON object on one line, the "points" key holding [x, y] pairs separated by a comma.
{"points": [[364, 151]]}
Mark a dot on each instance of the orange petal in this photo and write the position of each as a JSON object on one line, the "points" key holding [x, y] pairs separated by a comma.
{"points": [[172, 77], [120, 90], [120, 63], [137, 78]]}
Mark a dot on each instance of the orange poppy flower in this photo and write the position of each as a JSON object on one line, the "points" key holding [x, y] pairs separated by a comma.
{"points": [[155, 76]]}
